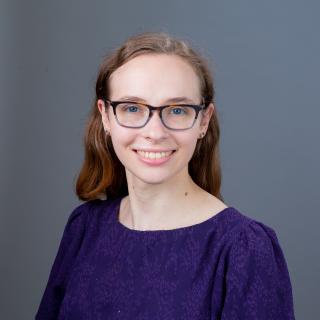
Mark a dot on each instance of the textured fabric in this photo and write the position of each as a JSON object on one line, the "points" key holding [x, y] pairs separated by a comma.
{"points": [[227, 267]]}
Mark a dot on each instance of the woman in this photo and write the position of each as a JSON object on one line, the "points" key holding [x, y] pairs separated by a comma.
{"points": [[154, 239]]}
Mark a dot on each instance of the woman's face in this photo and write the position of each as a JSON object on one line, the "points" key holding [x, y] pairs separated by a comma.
{"points": [[154, 79]]}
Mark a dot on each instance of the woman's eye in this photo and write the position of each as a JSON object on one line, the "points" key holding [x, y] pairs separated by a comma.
{"points": [[131, 108], [178, 111]]}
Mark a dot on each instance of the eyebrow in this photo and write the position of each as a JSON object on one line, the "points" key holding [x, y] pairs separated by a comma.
{"points": [[171, 100]]}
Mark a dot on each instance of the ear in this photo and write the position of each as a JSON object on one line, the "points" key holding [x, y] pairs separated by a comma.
{"points": [[206, 116], [104, 110]]}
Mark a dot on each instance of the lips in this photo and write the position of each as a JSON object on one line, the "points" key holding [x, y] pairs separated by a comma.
{"points": [[154, 155], [154, 150], [154, 158]]}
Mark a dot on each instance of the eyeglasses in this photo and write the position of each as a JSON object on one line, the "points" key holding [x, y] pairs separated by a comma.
{"points": [[131, 114]]}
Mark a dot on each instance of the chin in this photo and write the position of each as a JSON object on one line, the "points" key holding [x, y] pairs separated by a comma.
{"points": [[153, 176], [154, 179]]}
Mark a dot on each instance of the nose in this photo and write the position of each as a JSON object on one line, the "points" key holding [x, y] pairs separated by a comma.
{"points": [[155, 129]]}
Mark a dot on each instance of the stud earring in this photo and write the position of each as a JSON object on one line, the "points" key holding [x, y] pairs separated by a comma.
{"points": [[202, 134]]}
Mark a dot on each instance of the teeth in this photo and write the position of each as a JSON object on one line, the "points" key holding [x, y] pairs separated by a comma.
{"points": [[154, 155]]}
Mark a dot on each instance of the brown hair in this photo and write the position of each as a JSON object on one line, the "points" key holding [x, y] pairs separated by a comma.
{"points": [[102, 173]]}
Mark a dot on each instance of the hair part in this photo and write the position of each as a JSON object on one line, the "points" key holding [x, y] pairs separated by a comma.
{"points": [[102, 174]]}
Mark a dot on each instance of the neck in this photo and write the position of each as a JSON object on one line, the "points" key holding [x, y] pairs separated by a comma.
{"points": [[160, 205]]}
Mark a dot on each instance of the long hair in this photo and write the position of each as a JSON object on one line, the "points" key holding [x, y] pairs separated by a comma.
{"points": [[102, 173]]}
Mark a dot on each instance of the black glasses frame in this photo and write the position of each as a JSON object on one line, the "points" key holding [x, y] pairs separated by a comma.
{"points": [[197, 108]]}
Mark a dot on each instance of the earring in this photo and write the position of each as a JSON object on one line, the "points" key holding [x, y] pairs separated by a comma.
{"points": [[107, 132], [202, 134]]}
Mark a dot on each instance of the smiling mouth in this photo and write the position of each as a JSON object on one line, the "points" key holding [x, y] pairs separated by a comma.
{"points": [[154, 155]]}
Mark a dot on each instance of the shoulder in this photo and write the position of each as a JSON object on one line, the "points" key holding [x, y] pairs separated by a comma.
{"points": [[90, 210], [252, 234], [255, 247], [247, 240], [255, 232], [257, 274]]}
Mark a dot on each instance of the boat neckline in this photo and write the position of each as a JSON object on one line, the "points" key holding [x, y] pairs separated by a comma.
{"points": [[121, 226]]}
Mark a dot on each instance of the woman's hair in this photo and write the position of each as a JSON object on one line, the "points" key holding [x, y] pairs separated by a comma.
{"points": [[102, 174]]}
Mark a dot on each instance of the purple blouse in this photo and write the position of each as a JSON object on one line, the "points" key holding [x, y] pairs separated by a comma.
{"points": [[227, 267]]}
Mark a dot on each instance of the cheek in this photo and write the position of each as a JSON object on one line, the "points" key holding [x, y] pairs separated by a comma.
{"points": [[192, 147], [188, 144], [121, 142]]}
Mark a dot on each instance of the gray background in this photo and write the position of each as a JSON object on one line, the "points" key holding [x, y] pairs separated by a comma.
{"points": [[265, 56]]}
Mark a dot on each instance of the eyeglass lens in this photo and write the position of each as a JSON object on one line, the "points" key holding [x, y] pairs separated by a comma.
{"points": [[136, 115]]}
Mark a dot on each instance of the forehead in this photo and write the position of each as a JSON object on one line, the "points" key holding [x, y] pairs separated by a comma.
{"points": [[155, 77]]}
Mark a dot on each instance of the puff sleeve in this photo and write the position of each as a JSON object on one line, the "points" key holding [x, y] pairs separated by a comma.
{"points": [[257, 278], [67, 252]]}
